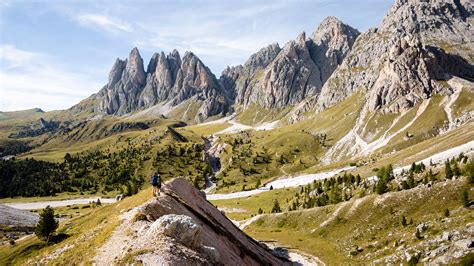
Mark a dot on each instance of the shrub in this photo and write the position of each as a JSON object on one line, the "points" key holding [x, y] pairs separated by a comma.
{"points": [[446, 213], [404, 221], [140, 216]]}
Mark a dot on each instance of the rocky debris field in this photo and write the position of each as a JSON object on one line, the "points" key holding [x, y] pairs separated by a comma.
{"points": [[15, 223]]}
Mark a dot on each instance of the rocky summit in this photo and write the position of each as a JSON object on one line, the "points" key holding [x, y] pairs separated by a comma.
{"points": [[275, 78], [168, 80], [417, 45]]}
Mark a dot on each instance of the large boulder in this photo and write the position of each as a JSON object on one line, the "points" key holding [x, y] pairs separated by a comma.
{"points": [[182, 207], [182, 228]]}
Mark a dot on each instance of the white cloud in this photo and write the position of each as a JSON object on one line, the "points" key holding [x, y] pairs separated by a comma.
{"points": [[104, 22], [29, 79], [12, 57]]}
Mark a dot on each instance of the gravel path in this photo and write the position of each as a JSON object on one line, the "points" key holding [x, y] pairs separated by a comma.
{"points": [[56, 203], [279, 183]]}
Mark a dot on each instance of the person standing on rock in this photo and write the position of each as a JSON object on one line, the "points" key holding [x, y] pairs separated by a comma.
{"points": [[156, 183]]}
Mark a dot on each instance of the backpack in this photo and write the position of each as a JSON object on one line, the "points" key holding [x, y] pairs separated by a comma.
{"points": [[156, 180]]}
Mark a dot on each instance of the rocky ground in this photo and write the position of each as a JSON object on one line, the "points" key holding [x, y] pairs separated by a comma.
{"points": [[15, 223]]}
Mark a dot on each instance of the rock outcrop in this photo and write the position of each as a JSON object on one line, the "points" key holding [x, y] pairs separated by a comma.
{"points": [[126, 80], [275, 78], [182, 227], [169, 80], [399, 64]]}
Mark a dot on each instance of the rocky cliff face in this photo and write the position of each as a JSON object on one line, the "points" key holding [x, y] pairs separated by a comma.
{"points": [[126, 80], [418, 44], [274, 77], [168, 79]]}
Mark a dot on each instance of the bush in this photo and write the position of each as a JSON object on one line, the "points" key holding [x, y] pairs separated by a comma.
{"points": [[404, 221], [140, 216], [47, 225], [418, 234]]}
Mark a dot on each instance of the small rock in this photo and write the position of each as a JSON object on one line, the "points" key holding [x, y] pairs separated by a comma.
{"points": [[438, 251], [412, 257], [422, 227], [446, 236], [464, 243]]}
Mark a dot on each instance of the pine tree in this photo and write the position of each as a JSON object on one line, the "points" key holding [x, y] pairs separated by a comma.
{"points": [[260, 211], [404, 221], [447, 170], [411, 181], [431, 176], [456, 171], [381, 187], [276, 207], [465, 198], [46, 225], [389, 172], [469, 171], [257, 185]]}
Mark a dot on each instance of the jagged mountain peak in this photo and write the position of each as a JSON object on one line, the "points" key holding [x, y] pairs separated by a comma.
{"points": [[168, 79], [399, 64], [261, 59], [301, 39], [134, 67], [278, 77], [451, 20], [333, 29]]}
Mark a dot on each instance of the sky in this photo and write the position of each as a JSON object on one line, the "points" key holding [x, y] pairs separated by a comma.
{"points": [[55, 53]]}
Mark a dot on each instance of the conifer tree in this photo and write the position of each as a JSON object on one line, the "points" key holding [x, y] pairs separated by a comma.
{"points": [[465, 198], [447, 170], [276, 207], [381, 187], [46, 225]]}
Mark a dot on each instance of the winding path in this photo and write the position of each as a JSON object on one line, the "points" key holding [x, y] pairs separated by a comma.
{"points": [[280, 183]]}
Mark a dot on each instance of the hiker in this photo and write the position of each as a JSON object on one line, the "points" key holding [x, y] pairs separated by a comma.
{"points": [[156, 183]]}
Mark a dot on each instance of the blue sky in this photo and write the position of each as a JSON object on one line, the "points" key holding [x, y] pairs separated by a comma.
{"points": [[55, 53]]}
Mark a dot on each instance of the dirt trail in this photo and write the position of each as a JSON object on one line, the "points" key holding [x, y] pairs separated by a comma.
{"points": [[56, 203], [448, 101], [248, 222], [334, 215]]}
